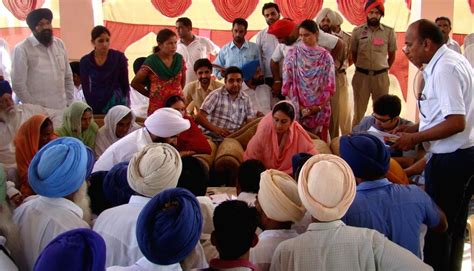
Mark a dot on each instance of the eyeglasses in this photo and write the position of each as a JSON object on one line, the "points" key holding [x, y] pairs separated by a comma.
{"points": [[381, 120], [418, 86]]}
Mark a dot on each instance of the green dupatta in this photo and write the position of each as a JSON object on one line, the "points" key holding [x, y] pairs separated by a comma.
{"points": [[72, 124], [161, 70]]}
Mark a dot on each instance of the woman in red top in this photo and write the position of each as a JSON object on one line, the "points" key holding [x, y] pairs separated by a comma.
{"points": [[163, 73], [191, 140]]}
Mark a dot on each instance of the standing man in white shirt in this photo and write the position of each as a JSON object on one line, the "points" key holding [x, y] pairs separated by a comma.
{"points": [[40, 72], [444, 24], [446, 113], [193, 47], [267, 42]]}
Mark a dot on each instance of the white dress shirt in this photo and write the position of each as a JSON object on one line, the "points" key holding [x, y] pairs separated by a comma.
{"points": [[9, 128], [41, 219], [118, 228], [453, 45], [200, 47], [261, 255], [144, 265], [122, 150], [266, 44], [42, 75], [437, 102], [335, 246]]}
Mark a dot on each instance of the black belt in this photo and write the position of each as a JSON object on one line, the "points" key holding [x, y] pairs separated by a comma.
{"points": [[370, 72]]}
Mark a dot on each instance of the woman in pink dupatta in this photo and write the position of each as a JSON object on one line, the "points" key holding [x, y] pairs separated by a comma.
{"points": [[278, 138], [309, 80]]}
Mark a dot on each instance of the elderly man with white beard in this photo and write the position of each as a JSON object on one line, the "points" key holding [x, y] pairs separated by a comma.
{"points": [[58, 175], [12, 116], [9, 242]]}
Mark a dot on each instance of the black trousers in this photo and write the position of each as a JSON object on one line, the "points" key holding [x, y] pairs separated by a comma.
{"points": [[448, 182]]}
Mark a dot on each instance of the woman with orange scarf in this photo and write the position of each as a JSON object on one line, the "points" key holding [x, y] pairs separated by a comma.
{"points": [[278, 138], [33, 134]]}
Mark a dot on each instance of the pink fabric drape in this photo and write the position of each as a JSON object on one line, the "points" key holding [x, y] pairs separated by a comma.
{"points": [[21, 8], [232, 9], [299, 10], [171, 8], [353, 10]]}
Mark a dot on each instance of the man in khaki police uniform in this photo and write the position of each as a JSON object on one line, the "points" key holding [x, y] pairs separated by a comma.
{"points": [[328, 20], [373, 49]]}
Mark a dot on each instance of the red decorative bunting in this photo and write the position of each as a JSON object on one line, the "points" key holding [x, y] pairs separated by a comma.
{"points": [[232, 9], [21, 8], [299, 10], [353, 10], [171, 8]]}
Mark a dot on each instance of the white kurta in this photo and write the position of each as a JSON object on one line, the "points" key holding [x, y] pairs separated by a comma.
{"points": [[261, 255], [267, 44], [122, 150], [335, 246], [144, 265], [118, 228], [42, 75], [41, 219], [200, 47], [9, 129], [261, 97]]}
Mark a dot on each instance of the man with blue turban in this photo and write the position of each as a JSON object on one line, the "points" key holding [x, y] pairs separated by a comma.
{"points": [[155, 168], [254, 86], [74, 250], [380, 204], [57, 174], [168, 229]]}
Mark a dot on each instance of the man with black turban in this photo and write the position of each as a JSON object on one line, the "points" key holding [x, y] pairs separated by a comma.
{"points": [[40, 69]]}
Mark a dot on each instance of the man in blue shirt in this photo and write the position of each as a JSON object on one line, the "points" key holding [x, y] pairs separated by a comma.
{"points": [[238, 51], [397, 211]]}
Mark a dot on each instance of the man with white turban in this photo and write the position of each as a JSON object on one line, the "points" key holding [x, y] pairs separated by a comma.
{"points": [[278, 207], [57, 174], [327, 187], [154, 168], [163, 126]]}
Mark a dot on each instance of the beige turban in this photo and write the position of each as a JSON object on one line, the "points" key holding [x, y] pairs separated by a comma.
{"points": [[278, 196], [338, 19], [326, 186], [156, 167], [166, 122], [326, 12]]}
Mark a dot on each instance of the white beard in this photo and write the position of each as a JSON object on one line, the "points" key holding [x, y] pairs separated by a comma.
{"points": [[81, 199], [10, 231]]}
